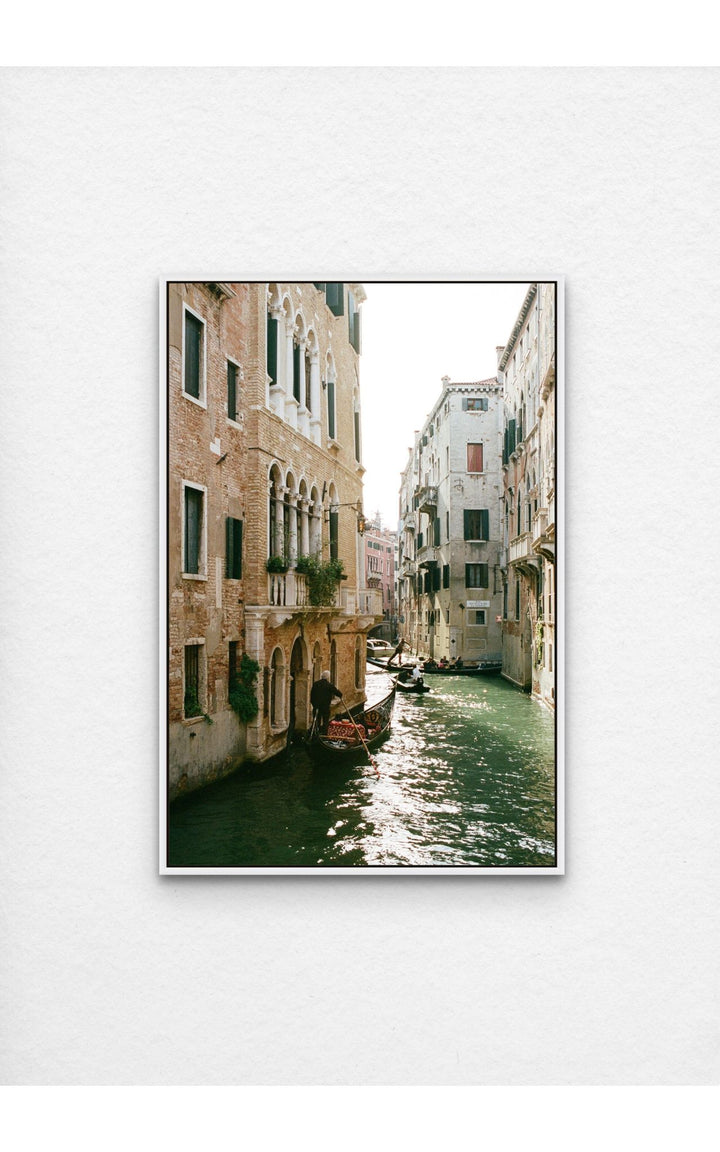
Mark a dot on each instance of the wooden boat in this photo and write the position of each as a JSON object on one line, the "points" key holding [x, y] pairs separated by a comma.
{"points": [[379, 648], [342, 741], [467, 670], [376, 662], [410, 685]]}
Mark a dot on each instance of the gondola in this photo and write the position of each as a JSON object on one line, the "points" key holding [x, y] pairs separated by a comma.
{"points": [[478, 670], [410, 685], [343, 741]]}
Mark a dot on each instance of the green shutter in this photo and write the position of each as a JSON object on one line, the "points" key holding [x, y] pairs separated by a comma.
{"points": [[233, 548], [484, 524], [334, 297], [331, 408], [272, 341], [334, 519], [296, 371]]}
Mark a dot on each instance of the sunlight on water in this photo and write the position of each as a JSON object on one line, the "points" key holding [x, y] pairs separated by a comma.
{"points": [[466, 778]]}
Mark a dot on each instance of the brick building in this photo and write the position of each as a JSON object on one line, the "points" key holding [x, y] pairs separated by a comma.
{"points": [[264, 511], [527, 367]]}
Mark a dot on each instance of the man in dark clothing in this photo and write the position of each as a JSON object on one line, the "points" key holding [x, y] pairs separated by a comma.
{"points": [[321, 696], [398, 652]]}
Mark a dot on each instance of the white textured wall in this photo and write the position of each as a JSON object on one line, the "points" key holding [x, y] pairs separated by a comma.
{"points": [[110, 179]]}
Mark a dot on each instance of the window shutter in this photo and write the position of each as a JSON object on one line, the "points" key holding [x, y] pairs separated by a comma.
{"points": [[483, 575], [232, 390], [296, 371], [229, 542], [331, 408], [272, 342], [193, 516], [334, 518], [334, 298], [485, 524], [357, 437], [467, 524], [233, 548], [511, 437], [446, 575], [193, 335], [436, 531]]}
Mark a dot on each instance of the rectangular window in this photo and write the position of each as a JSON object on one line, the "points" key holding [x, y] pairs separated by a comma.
{"points": [[193, 530], [474, 457], [436, 531], [476, 576], [331, 408], [475, 404], [194, 350], [446, 576], [232, 390], [334, 298], [233, 548], [480, 617], [436, 579], [334, 534], [192, 703], [476, 524]]}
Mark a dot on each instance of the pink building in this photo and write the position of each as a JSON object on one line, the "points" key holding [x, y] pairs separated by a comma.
{"points": [[380, 547]]}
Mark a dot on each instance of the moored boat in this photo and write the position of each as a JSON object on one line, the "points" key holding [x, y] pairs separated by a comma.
{"points": [[356, 733], [483, 669]]}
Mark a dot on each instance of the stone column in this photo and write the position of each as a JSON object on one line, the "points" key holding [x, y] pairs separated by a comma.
{"points": [[316, 529], [315, 405], [292, 534], [291, 404], [275, 394], [278, 544], [304, 527]]}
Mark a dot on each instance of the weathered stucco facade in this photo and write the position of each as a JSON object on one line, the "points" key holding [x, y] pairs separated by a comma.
{"points": [[264, 462], [450, 590], [527, 367]]}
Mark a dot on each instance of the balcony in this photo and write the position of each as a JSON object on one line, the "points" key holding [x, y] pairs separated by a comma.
{"points": [[370, 601], [427, 498], [521, 548], [428, 555], [544, 534], [287, 590], [407, 567]]}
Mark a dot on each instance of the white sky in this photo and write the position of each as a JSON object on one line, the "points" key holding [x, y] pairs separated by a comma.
{"points": [[413, 334]]}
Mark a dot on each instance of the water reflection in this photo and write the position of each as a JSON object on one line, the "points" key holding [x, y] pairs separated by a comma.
{"points": [[466, 778]]}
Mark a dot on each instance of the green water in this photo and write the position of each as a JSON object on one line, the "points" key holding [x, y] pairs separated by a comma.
{"points": [[467, 777]]}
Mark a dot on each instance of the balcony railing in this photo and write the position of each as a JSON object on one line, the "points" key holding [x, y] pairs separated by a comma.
{"points": [[287, 589], [427, 498], [428, 554], [370, 601], [521, 547]]}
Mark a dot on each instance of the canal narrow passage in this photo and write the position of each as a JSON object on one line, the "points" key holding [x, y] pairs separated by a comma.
{"points": [[467, 777]]}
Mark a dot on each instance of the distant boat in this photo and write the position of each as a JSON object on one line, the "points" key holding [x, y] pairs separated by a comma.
{"points": [[348, 738], [487, 667], [379, 648]]}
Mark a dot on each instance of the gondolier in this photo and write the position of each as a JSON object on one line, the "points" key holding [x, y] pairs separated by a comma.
{"points": [[398, 652], [321, 697]]}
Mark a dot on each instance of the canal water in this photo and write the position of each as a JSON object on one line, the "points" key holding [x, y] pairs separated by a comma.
{"points": [[467, 777]]}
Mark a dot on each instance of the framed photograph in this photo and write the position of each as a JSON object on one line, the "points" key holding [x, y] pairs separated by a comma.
{"points": [[361, 577]]}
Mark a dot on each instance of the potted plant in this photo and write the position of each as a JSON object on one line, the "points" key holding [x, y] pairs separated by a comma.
{"points": [[304, 565], [277, 564]]}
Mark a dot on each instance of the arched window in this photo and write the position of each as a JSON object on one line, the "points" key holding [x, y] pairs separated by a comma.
{"points": [[334, 523], [330, 392]]}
